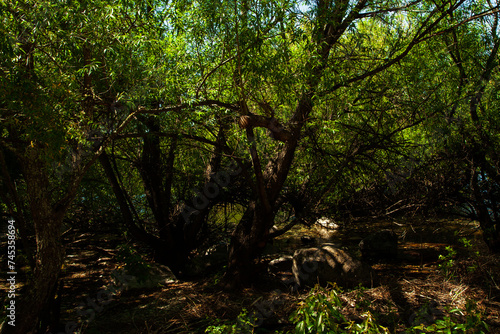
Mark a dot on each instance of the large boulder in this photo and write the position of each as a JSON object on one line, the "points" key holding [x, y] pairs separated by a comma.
{"points": [[379, 245], [326, 264]]}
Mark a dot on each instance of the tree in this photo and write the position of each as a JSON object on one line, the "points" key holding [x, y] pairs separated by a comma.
{"points": [[63, 87], [277, 64], [178, 230], [473, 50], [328, 24]]}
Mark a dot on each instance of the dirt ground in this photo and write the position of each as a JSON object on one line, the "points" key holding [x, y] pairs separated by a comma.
{"points": [[418, 282]]}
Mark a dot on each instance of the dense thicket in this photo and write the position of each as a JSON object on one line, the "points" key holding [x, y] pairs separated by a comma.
{"points": [[160, 116]]}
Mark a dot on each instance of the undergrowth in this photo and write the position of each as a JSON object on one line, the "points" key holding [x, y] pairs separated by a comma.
{"points": [[321, 311]]}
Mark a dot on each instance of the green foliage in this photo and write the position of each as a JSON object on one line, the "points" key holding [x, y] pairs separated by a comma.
{"points": [[321, 312], [369, 325], [448, 262], [467, 251], [473, 323], [245, 323], [468, 245]]}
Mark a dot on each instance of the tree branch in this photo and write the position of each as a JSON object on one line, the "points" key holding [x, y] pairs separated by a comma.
{"points": [[179, 107], [272, 124]]}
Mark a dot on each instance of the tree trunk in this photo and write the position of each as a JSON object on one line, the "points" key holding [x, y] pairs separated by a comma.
{"points": [[164, 252], [50, 252], [177, 236], [153, 172], [37, 298], [247, 242], [491, 236], [486, 206]]}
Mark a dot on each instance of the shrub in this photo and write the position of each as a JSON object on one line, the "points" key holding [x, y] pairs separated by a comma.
{"points": [[320, 312]]}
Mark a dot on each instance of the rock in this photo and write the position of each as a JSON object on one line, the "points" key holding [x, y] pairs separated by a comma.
{"points": [[327, 223], [326, 229], [281, 264], [329, 264], [217, 254], [379, 245]]}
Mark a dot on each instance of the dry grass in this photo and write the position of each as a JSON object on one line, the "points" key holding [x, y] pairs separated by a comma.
{"points": [[189, 307]]}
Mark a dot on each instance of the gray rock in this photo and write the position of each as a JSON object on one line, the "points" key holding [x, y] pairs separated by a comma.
{"points": [[326, 264], [379, 245]]}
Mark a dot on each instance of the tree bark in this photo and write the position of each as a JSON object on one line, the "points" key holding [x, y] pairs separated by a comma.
{"points": [[247, 242], [50, 252]]}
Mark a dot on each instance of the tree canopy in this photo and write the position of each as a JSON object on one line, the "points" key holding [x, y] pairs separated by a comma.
{"points": [[165, 113]]}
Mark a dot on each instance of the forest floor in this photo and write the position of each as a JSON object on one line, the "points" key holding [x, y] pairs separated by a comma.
{"points": [[425, 282]]}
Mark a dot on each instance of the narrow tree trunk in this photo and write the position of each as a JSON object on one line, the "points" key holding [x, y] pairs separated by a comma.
{"points": [[121, 198], [152, 172]]}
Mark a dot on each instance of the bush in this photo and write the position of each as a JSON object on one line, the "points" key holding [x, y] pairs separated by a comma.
{"points": [[320, 312]]}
